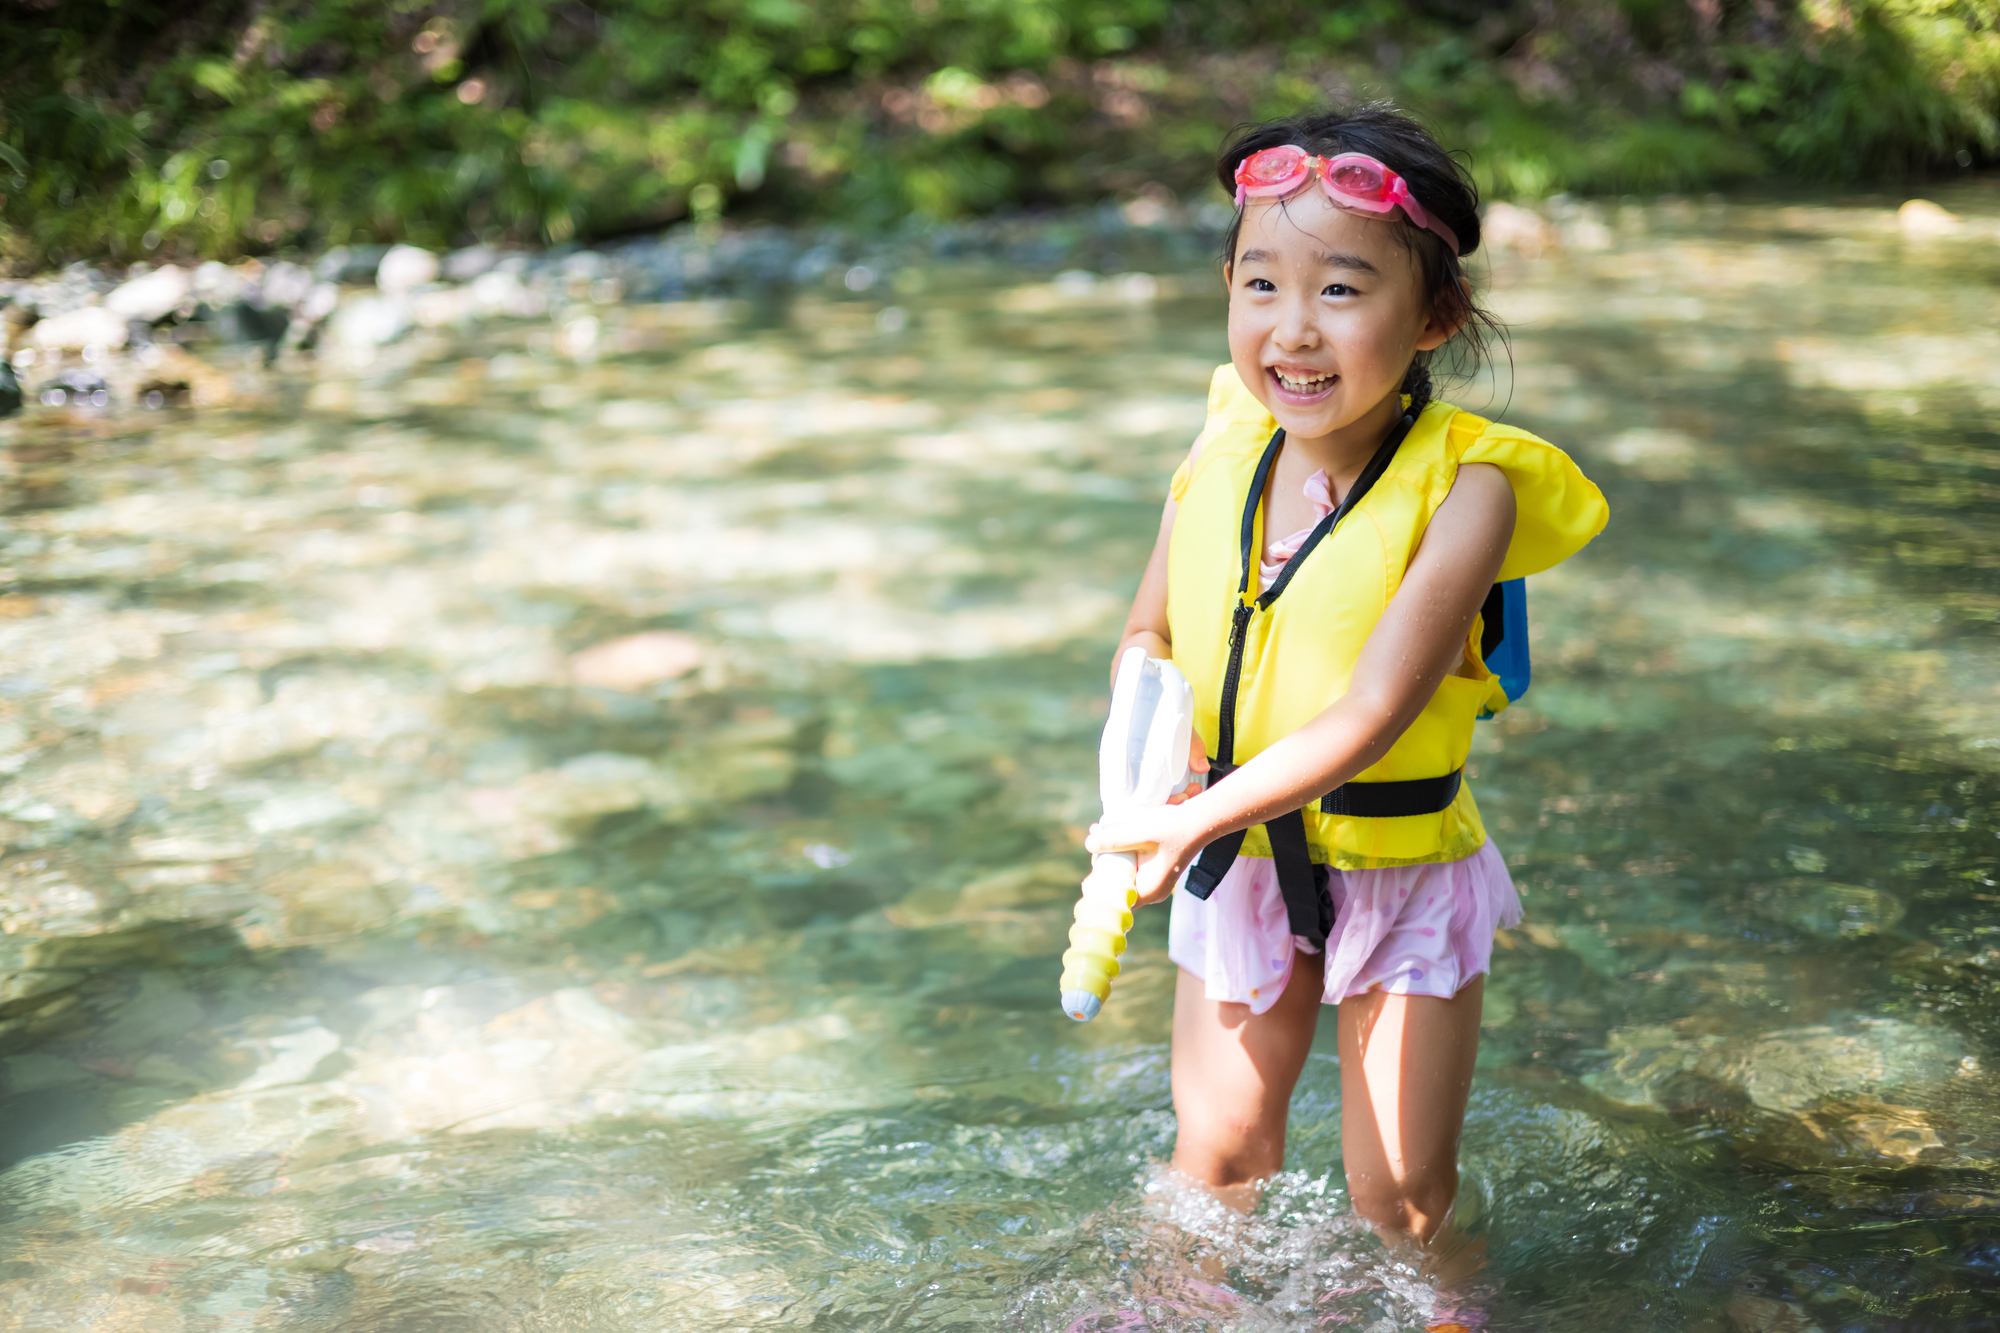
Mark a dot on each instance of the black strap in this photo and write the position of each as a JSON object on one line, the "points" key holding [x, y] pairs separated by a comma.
{"points": [[1492, 622], [1393, 800], [1308, 907]]}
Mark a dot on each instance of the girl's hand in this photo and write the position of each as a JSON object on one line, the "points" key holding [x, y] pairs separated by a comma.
{"points": [[1166, 840], [1198, 761]]}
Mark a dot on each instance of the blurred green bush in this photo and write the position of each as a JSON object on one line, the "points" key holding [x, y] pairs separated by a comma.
{"points": [[132, 128]]}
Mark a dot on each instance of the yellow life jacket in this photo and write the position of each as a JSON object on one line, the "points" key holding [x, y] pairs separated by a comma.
{"points": [[1301, 638]]}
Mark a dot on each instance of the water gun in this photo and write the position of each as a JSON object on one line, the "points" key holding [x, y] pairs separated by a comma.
{"points": [[1141, 761]]}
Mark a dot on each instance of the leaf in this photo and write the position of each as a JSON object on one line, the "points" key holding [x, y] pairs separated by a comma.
{"points": [[219, 78], [13, 159]]}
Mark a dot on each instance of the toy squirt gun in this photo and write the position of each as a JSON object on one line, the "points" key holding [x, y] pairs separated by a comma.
{"points": [[1142, 760]]}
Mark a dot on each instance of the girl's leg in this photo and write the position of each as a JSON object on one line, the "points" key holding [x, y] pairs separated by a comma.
{"points": [[1405, 1074], [1233, 1073]]}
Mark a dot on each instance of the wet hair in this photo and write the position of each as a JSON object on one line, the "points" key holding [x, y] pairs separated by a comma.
{"points": [[1440, 183]]}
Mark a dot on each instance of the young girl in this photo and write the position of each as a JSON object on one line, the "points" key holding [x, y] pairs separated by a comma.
{"points": [[1322, 576]]}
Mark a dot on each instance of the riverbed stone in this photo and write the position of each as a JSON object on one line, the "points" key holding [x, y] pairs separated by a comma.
{"points": [[76, 387], [1792, 1069], [173, 371], [637, 661], [466, 264], [289, 1057], [528, 1067], [367, 322], [1827, 908], [404, 268], [1920, 219], [79, 330], [151, 297], [350, 263], [1786, 1071], [338, 899]]}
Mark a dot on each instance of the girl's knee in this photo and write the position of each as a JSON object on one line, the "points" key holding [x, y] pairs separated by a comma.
{"points": [[1226, 1153], [1417, 1205]]}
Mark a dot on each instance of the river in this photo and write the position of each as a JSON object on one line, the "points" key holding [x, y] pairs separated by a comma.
{"points": [[570, 824]]}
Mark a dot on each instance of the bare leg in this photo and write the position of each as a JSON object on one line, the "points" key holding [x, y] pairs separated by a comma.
{"points": [[1405, 1074], [1233, 1075]]}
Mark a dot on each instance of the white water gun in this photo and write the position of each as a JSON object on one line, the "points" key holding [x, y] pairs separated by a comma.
{"points": [[1141, 762]]}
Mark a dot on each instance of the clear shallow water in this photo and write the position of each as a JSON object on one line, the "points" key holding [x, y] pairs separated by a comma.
{"points": [[372, 963]]}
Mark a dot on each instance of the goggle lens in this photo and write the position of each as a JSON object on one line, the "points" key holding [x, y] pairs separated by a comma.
{"points": [[1359, 178], [1273, 166]]}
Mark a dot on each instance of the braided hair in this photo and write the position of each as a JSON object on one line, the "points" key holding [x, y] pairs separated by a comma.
{"points": [[1440, 183]]}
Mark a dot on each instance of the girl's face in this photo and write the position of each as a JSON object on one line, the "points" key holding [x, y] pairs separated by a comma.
{"points": [[1326, 308]]}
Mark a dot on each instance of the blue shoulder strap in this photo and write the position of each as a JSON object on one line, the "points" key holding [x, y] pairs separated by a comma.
{"points": [[1503, 637]]}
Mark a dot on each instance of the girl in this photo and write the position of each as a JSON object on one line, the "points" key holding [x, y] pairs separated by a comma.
{"points": [[1325, 571]]}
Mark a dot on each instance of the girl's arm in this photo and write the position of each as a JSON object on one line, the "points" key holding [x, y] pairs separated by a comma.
{"points": [[1419, 639], [1146, 624]]}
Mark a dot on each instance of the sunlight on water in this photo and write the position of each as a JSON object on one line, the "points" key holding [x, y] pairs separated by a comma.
{"points": [[563, 828]]}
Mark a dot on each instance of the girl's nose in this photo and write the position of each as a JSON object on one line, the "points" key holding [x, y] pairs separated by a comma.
{"points": [[1296, 328]]}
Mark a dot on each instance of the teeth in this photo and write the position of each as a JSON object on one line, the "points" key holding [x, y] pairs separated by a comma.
{"points": [[1303, 386]]}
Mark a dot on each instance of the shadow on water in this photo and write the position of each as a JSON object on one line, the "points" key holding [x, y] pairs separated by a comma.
{"points": [[526, 841]]}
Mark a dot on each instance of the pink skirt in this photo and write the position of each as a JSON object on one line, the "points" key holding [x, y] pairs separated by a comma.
{"points": [[1408, 930]]}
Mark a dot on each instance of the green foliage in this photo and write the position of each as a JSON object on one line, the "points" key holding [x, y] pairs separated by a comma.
{"points": [[224, 127]]}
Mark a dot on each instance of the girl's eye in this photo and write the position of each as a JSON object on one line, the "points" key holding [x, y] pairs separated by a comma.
{"points": [[1262, 285], [1337, 289]]}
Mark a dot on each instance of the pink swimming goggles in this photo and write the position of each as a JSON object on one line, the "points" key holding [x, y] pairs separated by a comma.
{"points": [[1352, 180]]}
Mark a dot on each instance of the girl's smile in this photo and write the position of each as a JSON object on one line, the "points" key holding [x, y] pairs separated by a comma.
{"points": [[1301, 386]]}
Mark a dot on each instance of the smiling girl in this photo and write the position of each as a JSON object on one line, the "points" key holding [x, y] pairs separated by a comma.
{"points": [[1324, 575]]}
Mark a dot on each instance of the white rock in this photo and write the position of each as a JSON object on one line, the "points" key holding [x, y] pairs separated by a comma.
{"points": [[442, 307], [321, 301], [637, 660], [92, 326], [1920, 218], [404, 269], [151, 297], [293, 1056], [464, 265], [367, 322], [218, 284], [502, 293], [287, 285]]}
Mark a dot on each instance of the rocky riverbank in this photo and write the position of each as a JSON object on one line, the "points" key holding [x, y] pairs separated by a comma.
{"points": [[94, 340]]}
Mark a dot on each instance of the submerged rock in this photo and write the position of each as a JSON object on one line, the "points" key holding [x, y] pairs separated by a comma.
{"points": [[1785, 1071], [10, 390], [1826, 908], [637, 660]]}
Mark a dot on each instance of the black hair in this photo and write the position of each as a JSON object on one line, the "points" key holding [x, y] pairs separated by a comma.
{"points": [[1440, 183]]}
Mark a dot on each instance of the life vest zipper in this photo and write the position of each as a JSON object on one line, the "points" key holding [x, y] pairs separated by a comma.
{"points": [[1225, 737]]}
